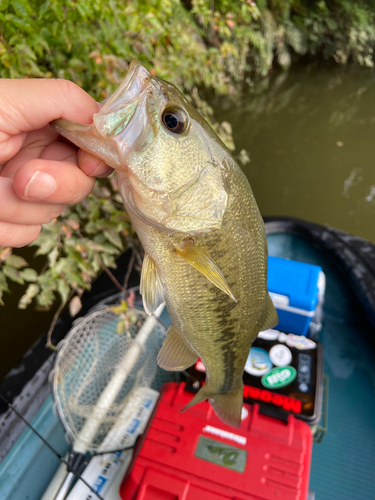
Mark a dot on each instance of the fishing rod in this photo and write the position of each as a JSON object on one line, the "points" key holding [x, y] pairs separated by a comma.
{"points": [[60, 457]]}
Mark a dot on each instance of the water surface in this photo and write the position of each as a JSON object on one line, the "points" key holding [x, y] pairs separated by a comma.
{"points": [[310, 134]]}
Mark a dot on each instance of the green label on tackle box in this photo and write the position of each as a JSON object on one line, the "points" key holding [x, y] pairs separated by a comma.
{"points": [[221, 454]]}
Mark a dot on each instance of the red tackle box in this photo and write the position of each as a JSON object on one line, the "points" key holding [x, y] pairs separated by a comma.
{"points": [[194, 456]]}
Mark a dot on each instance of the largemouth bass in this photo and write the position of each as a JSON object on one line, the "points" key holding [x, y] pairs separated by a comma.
{"points": [[197, 219]]}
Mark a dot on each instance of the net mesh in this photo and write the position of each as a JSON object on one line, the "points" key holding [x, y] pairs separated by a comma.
{"points": [[91, 363]]}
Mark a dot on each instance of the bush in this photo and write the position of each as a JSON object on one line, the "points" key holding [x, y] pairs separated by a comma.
{"points": [[217, 45]]}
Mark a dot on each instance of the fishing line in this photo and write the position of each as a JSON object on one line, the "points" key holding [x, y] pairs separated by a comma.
{"points": [[99, 453], [50, 447]]}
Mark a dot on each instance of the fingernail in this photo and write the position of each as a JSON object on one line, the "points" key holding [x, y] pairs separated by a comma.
{"points": [[106, 172], [40, 185]]}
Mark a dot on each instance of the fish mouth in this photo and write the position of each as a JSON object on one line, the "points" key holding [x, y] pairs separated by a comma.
{"points": [[118, 110], [113, 132], [135, 81]]}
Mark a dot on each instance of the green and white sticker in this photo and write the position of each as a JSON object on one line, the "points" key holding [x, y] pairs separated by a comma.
{"points": [[279, 377], [222, 454]]}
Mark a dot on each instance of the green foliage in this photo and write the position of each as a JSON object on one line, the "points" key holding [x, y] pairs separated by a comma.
{"points": [[341, 30], [198, 44]]}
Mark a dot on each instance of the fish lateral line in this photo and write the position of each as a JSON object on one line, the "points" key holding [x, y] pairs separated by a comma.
{"points": [[202, 262]]}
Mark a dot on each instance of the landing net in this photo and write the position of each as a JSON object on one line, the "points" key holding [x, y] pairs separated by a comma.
{"points": [[99, 374]]}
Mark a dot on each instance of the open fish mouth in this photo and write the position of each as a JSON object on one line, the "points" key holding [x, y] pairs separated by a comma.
{"points": [[120, 123], [118, 110]]}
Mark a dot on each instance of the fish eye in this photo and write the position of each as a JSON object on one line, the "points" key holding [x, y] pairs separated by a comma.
{"points": [[175, 119]]}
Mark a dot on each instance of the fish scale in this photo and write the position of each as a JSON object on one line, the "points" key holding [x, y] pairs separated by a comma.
{"points": [[196, 217]]}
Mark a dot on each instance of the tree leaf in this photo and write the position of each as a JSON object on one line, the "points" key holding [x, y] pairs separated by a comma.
{"points": [[75, 305], [13, 274], [109, 249], [4, 4], [114, 238], [29, 274], [5, 253], [45, 244], [3, 281], [74, 224], [21, 7], [64, 289], [26, 299], [95, 246], [22, 24], [52, 256], [16, 261], [45, 299], [44, 8], [108, 260]]}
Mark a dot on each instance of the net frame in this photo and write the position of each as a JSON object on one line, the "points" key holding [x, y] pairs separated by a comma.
{"points": [[88, 358]]}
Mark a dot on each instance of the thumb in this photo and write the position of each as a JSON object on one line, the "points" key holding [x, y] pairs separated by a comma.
{"points": [[31, 104]]}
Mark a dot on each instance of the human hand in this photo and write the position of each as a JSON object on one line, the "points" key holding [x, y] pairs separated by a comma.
{"points": [[39, 175]]}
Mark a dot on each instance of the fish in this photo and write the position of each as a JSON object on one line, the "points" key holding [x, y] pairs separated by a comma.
{"points": [[197, 219]]}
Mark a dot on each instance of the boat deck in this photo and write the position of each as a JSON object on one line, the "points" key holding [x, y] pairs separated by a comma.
{"points": [[343, 464]]}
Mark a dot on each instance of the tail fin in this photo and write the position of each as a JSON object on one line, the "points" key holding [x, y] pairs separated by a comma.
{"points": [[227, 406]]}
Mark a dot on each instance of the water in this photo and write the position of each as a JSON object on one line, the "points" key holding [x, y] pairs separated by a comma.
{"points": [[310, 135]]}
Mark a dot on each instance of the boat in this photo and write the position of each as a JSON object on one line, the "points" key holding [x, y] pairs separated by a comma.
{"points": [[342, 464]]}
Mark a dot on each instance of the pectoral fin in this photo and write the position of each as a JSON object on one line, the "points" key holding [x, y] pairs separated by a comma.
{"points": [[151, 287], [175, 355], [203, 263], [271, 318]]}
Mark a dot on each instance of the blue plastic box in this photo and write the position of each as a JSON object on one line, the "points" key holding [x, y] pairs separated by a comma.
{"points": [[297, 291]]}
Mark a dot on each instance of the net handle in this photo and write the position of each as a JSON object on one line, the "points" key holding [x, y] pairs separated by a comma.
{"points": [[113, 387]]}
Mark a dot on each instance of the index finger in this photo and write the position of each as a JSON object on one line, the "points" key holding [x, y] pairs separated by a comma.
{"points": [[31, 104]]}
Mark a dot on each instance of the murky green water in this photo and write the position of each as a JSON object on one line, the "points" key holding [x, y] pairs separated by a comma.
{"points": [[310, 135]]}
